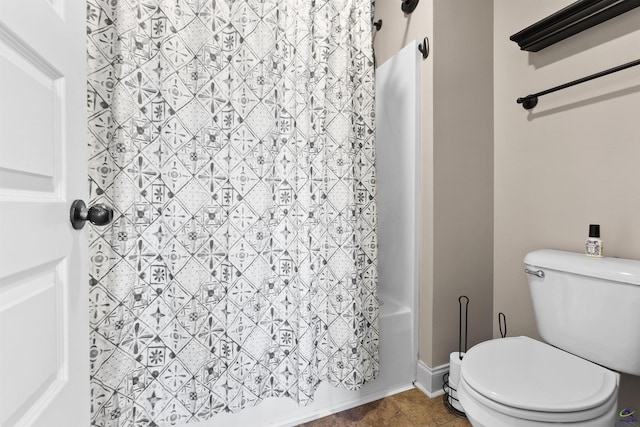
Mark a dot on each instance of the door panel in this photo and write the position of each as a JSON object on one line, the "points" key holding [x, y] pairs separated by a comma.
{"points": [[44, 372]]}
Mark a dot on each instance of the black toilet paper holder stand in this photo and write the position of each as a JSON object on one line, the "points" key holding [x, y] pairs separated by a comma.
{"points": [[446, 387]]}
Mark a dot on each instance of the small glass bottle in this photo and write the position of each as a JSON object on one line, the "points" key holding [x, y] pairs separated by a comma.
{"points": [[594, 244]]}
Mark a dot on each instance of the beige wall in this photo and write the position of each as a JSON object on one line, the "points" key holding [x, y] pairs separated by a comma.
{"points": [[572, 161], [463, 171], [457, 172]]}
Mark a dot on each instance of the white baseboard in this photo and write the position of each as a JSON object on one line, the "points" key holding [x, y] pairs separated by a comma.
{"points": [[429, 380]]}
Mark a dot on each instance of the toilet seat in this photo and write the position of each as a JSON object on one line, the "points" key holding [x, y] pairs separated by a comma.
{"points": [[496, 415], [527, 379]]}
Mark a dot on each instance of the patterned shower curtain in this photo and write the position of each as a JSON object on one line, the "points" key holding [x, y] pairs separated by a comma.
{"points": [[235, 142]]}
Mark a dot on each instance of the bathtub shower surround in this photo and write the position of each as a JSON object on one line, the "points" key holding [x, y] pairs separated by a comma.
{"points": [[235, 142]]}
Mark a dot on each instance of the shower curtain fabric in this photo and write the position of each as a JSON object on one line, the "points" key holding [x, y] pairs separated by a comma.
{"points": [[235, 142]]}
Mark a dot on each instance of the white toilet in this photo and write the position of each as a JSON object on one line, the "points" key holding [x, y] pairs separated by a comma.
{"points": [[588, 311]]}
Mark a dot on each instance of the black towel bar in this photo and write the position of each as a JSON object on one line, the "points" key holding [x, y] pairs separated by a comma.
{"points": [[530, 101]]}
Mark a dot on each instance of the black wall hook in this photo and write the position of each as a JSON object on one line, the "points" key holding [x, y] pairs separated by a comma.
{"points": [[378, 24], [409, 6], [424, 48]]}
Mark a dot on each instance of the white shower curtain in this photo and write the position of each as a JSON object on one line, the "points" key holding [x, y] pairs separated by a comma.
{"points": [[235, 142]]}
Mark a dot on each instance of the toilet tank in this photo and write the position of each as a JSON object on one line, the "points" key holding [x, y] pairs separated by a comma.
{"points": [[588, 306]]}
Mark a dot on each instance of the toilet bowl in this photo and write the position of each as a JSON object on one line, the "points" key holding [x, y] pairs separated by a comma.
{"points": [[523, 382]]}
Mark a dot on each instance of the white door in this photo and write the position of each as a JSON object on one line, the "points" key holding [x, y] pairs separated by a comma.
{"points": [[44, 351]]}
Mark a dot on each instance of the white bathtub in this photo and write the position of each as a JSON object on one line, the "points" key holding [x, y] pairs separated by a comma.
{"points": [[397, 372]]}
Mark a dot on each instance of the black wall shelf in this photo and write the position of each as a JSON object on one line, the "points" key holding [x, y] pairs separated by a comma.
{"points": [[571, 20]]}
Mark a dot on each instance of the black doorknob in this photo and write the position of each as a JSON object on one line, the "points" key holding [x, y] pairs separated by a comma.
{"points": [[96, 214]]}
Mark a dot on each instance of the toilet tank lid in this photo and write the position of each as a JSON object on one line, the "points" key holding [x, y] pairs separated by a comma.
{"points": [[607, 268]]}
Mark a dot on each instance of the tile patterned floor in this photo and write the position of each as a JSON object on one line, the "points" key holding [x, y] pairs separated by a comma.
{"points": [[411, 408]]}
